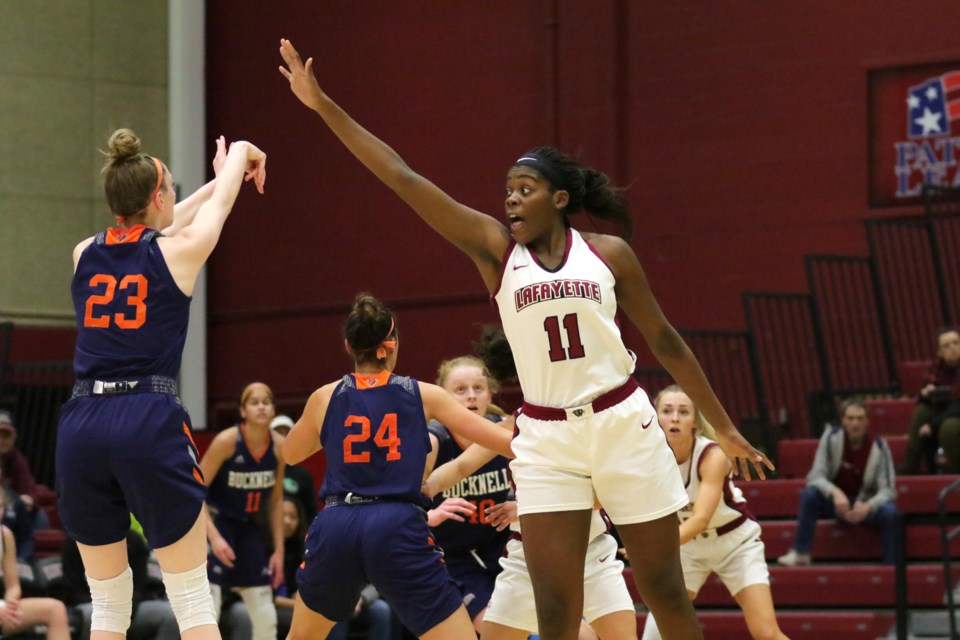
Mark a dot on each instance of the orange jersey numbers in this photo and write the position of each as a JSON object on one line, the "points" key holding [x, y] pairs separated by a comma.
{"points": [[253, 501], [385, 438], [480, 515], [135, 288]]}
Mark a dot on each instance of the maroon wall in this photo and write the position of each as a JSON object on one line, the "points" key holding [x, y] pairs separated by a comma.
{"points": [[741, 127]]}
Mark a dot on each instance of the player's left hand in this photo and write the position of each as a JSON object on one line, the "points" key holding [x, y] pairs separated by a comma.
{"points": [[221, 156], [501, 515], [276, 568], [302, 81], [741, 454]]}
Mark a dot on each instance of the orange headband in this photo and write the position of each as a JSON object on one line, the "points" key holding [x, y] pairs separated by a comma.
{"points": [[159, 166], [387, 346]]}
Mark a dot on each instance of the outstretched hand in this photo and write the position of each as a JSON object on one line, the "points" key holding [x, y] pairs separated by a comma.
{"points": [[220, 158], [302, 81], [256, 168], [742, 455]]}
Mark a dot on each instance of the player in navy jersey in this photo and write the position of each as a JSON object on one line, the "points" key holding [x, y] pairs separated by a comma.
{"points": [[373, 426], [584, 430], [124, 441], [470, 519], [244, 469]]}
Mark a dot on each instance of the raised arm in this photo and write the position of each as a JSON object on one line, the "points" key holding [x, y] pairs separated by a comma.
{"points": [[189, 249], [636, 299], [185, 210], [438, 404], [453, 471], [478, 235]]}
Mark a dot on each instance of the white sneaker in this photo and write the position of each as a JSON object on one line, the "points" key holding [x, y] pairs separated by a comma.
{"points": [[794, 558]]}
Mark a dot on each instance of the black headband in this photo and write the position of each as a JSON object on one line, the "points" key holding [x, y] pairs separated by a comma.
{"points": [[544, 166]]}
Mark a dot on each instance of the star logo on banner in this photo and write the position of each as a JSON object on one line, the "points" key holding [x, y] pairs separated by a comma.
{"points": [[929, 121]]}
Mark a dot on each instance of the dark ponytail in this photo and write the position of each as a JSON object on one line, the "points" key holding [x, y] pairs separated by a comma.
{"points": [[495, 351], [589, 189], [370, 323]]}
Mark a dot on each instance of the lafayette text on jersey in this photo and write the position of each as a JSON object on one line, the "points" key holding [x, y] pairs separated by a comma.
{"points": [[561, 325], [131, 315], [375, 436], [243, 485]]}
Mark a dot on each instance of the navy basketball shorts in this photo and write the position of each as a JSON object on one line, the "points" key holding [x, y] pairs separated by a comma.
{"points": [[387, 544], [125, 454], [475, 574], [251, 566]]}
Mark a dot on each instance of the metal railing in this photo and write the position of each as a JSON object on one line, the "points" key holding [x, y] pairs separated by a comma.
{"points": [[35, 392], [946, 537], [789, 358], [849, 311]]}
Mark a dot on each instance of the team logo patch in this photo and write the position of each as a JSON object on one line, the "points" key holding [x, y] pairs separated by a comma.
{"points": [[578, 413], [914, 131]]}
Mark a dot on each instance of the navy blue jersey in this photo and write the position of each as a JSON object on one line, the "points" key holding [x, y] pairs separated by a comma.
{"points": [[242, 486], [131, 315], [487, 486], [375, 436]]}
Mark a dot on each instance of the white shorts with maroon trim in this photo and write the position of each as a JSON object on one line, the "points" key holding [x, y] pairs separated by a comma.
{"points": [[604, 589], [619, 454], [737, 557]]}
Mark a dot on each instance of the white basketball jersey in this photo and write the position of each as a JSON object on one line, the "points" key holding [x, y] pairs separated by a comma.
{"points": [[561, 326], [732, 503]]}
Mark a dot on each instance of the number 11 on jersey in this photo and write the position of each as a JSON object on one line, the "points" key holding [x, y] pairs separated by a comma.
{"points": [[552, 326]]}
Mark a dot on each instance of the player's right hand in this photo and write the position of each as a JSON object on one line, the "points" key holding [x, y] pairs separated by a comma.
{"points": [[451, 509], [223, 552]]}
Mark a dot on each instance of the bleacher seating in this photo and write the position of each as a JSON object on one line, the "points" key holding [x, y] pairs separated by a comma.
{"points": [[891, 416], [794, 457], [912, 373], [822, 600], [798, 625], [49, 542], [781, 498]]}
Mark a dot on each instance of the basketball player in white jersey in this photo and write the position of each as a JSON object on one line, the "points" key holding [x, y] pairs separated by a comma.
{"points": [[511, 614], [717, 532], [585, 428]]}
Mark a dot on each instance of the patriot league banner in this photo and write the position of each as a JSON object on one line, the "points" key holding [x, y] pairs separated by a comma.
{"points": [[914, 122]]}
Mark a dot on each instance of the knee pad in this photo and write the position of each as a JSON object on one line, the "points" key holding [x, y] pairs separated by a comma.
{"points": [[112, 601], [190, 597], [262, 612]]}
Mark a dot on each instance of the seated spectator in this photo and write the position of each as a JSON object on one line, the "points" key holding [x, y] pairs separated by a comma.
{"points": [[294, 531], [371, 615], [15, 470], [936, 420], [297, 481], [151, 619], [16, 518], [21, 614], [852, 480]]}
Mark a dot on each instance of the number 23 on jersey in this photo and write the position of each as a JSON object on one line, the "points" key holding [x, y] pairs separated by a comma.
{"points": [[134, 286]]}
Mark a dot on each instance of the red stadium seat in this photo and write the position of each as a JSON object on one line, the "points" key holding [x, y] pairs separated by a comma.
{"points": [[798, 625], [891, 416], [912, 373], [781, 498]]}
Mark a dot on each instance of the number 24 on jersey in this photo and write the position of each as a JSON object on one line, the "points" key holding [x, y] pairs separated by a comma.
{"points": [[385, 438]]}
